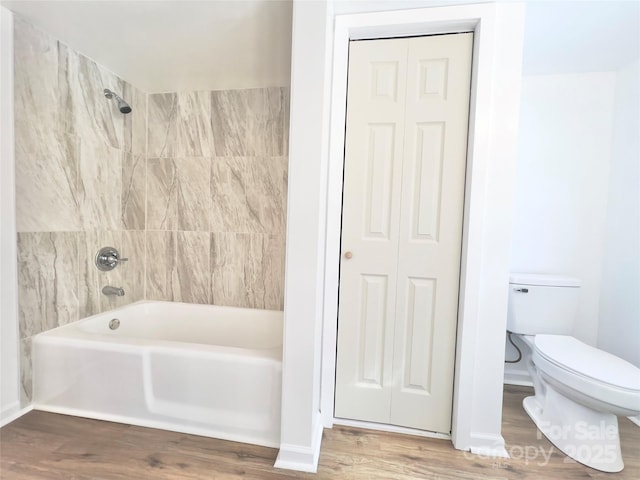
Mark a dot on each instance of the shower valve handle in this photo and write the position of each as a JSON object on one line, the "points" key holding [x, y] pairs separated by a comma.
{"points": [[107, 259]]}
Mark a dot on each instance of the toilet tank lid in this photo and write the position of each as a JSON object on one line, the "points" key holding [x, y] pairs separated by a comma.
{"points": [[543, 280]]}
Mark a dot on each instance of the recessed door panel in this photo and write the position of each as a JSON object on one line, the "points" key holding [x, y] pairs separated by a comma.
{"points": [[427, 175], [384, 81], [433, 79], [417, 365], [379, 178], [373, 295]]}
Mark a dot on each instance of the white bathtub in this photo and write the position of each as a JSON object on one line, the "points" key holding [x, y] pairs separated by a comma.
{"points": [[199, 369]]}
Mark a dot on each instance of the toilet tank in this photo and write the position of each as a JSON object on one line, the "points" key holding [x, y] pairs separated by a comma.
{"points": [[542, 304]]}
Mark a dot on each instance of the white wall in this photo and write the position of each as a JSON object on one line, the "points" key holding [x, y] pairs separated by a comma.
{"points": [[566, 125], [619, 331], [10, 394]]}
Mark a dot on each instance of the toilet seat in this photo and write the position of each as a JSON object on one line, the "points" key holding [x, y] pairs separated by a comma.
{"points": [[589, 371]]}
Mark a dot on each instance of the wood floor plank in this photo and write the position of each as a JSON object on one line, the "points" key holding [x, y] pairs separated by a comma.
{"points": [[45, 446]]}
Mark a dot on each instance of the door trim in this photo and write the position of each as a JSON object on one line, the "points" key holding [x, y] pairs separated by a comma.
{"points": [[481, 293]]}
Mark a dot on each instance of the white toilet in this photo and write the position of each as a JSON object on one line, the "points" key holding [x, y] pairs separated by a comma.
{"points": [[579, 389]]}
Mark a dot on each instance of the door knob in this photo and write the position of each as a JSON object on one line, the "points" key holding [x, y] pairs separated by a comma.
{"points": [[348, 255]]}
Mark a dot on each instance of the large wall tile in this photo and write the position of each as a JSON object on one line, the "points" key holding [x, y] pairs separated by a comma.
{"points": [[135, 123], [230, 110], [287, 110], [47, 281], [194, 136], [133, 270], [179, 125], [248, 122], [178, 194], [193, 267], [100, 187], [249, 194], [26, 372], [275, 123], [273, 271], [231, 269], [194, 193], [246, 270], [47, 182], [162, 127], [162, 191], [37, 100], [161, 271], [133, 191], [284, 185], [94, 117]]}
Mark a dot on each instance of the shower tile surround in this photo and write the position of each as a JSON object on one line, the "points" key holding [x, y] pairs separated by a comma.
{"points": [[191, 187], [216, 164]]}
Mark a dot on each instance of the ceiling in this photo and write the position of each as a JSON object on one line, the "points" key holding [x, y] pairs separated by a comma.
{"points": [[164, 46]]}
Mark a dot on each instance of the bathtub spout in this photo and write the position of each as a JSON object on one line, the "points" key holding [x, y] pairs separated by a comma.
{"points": [[109, 290]]}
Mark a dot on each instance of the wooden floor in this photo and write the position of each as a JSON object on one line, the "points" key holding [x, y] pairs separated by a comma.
{"points": [[47, 446]]}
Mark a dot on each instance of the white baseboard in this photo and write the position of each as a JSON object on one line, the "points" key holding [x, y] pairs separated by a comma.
{"points": [[517, 377], [635, 420], [302, 458], [13, 412], [492, 446]]}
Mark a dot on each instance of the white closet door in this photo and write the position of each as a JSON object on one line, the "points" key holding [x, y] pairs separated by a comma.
{"points": [[405, 157], [370, 227], [430, 240]]}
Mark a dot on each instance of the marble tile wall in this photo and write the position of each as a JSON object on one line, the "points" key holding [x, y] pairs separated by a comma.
{"points": [[80, 185], [216, 197]]}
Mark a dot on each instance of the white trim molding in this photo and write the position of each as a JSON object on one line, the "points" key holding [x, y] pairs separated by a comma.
{"points": [[492, 146], [9, 413], [492, 446], [9, 348], [17, 413], [302, 458], [521, 379]]}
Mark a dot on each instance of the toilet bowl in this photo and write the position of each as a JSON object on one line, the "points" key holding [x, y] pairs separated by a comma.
{"points": [[579, 390]]}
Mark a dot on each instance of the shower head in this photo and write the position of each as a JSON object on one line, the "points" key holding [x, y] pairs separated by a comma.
{"points": [[122, 105]]}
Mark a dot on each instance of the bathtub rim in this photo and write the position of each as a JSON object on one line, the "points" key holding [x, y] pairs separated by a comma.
{"points": [[71, 334]]}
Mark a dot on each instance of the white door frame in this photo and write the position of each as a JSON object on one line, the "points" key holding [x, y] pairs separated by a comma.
{"points": [[493, 119]]}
